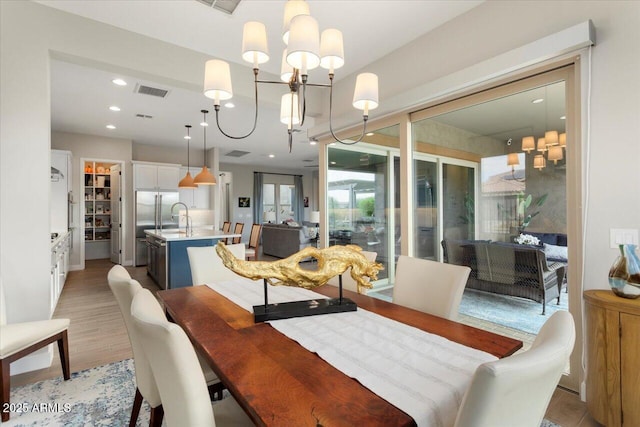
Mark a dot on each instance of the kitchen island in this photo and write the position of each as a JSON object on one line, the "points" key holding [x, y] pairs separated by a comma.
{"points": [[168, 262]]}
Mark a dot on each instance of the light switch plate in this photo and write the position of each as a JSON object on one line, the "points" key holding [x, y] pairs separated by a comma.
{"points": [[622, 236]]}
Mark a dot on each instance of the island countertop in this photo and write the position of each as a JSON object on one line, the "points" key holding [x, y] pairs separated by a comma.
{"points": [[174, 234]]}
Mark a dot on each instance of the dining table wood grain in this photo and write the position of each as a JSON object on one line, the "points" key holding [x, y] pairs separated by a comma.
{"points": [[280, 383]]}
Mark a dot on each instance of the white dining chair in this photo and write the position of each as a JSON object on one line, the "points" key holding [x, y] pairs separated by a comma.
{"points": [[124, 289], [430, 286], [347, 281], [516, 390], [175, 368], [20, 339], [206, 266]]}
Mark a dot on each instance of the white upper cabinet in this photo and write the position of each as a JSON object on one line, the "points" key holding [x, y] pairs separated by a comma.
{"points": [[148, 176], [196, 198]]}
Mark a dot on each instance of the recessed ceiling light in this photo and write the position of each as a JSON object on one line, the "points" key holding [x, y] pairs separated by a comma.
{"points": [[187, 137], [110, 127], [369, 133], [333, 143], [114, 108], [563, 117], [537, 100], [272, 155], [229, 105], [204, 124], [312, 142], [333, 163], [119, 82]]}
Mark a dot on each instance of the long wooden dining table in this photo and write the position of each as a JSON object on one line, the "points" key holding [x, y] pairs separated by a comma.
{"points": [[280, 383]]}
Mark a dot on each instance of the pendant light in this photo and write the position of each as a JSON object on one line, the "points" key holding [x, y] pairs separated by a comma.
{"points": [[205, 177], [187, 181]]}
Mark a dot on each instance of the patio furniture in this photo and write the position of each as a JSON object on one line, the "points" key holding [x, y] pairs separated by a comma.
{"points": [[508, 269]]}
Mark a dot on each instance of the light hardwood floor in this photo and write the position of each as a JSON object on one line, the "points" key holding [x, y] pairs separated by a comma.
{"points": [[97, 336]]}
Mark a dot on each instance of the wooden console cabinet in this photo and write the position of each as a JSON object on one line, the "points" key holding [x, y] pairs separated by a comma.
{"points": [[613, 349]]}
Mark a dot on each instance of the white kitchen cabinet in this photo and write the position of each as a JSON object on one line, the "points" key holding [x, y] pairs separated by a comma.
{"points": [[60, 248], [153, 176], [195, 198]]}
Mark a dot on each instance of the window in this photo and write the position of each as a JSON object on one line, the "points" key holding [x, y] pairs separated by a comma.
{"points": [[278, 198]]}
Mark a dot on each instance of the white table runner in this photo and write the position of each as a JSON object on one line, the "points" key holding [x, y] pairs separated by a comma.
{"points": [[420, 373]]}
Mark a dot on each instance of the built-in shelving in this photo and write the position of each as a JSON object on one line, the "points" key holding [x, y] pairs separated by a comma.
{"points": [[97, 201]]}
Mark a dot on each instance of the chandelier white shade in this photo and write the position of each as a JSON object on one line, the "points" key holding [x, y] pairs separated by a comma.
{"points": [[555, 154], [292, 8], [542, 145], [254, 43], [528, 144], [551, 138], [217, 81], [289, 113], [562, 139], [512, 159], [286, 70], [331, 50], [539, 162], [303, 51], [365, 95]]}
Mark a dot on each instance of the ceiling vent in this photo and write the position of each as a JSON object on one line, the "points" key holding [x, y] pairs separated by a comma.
{"points": [[237, 153], [144, 116], [226, 6], [153, 91]]}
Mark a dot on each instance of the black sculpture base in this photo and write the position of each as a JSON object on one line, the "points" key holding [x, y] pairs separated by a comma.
{"points": [[286, 310]]}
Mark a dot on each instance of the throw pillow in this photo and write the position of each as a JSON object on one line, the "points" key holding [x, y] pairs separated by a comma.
{"points": [[555, 252]]}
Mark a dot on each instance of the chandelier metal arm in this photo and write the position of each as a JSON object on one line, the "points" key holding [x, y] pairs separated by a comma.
{"points": [[365, 117], [255, 118]]}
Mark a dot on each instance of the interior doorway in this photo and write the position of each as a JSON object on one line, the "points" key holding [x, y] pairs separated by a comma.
{"points": [[101, 210]]}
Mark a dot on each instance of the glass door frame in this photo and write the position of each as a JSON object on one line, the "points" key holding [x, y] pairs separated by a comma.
{"points": [[440, 161], [377, 150]]}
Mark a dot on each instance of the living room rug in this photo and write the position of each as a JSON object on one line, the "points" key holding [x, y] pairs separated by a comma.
{"points": [[99, 396], [513, 312]]}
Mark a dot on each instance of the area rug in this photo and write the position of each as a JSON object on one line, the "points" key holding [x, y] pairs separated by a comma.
{"points": [[99, 396], [517, 313]]}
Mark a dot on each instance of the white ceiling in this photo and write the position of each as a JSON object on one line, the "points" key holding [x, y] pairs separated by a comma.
{"points": [[81, 95]]}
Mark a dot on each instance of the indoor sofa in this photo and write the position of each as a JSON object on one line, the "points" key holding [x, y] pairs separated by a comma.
{"points": [[508, 269]]}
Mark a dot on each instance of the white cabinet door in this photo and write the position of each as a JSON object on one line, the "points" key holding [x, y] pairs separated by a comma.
{"points": [[202, 197], [194, 198], [168, 177], [145, 177], [156, 177]]}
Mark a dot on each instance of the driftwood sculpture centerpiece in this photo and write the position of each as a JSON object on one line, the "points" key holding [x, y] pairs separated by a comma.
{"points": [[331, 261]]}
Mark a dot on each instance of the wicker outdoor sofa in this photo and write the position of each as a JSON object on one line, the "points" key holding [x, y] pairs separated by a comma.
{"points": [[508, 269]]}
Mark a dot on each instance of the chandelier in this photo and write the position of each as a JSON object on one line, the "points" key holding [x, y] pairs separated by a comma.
{"points": [[552, 145], [306, 49]]}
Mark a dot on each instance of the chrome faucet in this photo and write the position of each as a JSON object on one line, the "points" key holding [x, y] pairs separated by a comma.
{"points": [[189, 227]]}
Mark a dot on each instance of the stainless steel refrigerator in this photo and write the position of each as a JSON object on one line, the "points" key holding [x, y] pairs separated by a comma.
{"points": [[153, 211]]}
